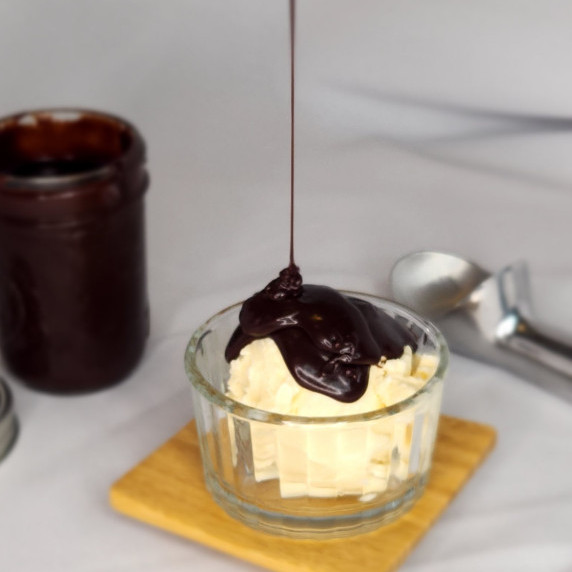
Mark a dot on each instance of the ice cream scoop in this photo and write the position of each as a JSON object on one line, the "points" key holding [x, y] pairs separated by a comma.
{"points": [[486, 316]]}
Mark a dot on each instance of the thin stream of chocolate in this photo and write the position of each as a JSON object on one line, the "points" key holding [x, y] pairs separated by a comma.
{"points": [[328, 340], [292, 117]]}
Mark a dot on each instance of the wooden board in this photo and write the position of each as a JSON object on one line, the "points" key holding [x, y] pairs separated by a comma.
{"points": [[167, 490]]}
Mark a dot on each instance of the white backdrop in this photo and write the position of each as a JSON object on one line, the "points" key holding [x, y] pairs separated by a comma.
{"points": [[421, 125]]}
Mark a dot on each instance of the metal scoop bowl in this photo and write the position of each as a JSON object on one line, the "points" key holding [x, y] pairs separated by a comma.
{"points": [[486, 316]]}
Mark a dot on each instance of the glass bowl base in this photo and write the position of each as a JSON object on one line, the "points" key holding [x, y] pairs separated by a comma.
{"points": [[306, 527]]}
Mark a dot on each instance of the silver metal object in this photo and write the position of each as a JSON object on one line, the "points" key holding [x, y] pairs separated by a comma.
{"points": [[486, 316], [8, 423]]}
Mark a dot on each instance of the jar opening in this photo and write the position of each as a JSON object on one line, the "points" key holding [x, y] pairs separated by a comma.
{"points": [[49, 146], [65, 166]]}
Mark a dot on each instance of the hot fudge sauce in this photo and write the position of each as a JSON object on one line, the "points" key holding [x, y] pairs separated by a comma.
{"points": [[328, 340]]}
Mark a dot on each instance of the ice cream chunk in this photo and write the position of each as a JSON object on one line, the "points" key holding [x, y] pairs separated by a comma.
{"points": [[311, 460]]}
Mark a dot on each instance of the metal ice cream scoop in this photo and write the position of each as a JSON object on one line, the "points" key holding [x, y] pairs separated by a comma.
{"points": [[486, 316]]}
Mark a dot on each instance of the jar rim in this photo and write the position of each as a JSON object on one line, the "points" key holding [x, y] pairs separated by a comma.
{"points": [[116, 177], [241, 410], [135, 151]]}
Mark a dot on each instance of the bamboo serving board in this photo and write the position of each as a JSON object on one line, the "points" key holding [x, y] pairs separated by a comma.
{"points": [[167, 490]]}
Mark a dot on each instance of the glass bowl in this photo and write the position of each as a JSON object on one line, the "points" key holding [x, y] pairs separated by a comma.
{"points": [[313, 477]]}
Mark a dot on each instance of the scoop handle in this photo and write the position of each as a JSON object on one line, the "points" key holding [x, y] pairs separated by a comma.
{"points": [[520, 342], [543, 343]]}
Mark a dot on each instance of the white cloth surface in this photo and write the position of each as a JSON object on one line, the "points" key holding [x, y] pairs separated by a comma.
{"points": [[420, 125]]}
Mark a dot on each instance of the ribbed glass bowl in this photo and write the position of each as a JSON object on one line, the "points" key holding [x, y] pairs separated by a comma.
{"points": [[304, 477]]}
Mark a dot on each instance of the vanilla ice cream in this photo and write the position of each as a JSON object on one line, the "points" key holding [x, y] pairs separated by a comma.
{"points": [[363, 458]]}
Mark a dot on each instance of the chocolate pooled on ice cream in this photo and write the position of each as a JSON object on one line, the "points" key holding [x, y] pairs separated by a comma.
{"points": [[328, 340]]}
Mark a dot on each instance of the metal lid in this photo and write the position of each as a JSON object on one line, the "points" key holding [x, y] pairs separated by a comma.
{"points": [[8, 423]]}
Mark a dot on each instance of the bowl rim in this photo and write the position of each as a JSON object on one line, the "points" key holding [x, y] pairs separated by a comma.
{"points": [[247, 412]]}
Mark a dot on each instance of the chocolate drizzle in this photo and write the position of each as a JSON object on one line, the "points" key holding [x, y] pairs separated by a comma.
{"points": [[328, 340]]}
